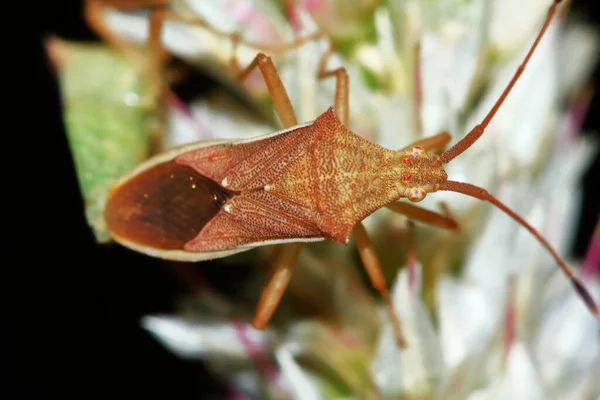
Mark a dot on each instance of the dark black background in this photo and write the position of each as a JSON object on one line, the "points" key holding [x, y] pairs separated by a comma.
{"points": [[96, 295]]}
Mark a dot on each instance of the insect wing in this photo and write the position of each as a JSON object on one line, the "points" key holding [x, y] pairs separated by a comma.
{"points": [[261, 210]]}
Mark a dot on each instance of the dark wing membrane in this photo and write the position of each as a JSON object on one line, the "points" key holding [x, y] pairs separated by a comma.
{"points": [[163, 207]]}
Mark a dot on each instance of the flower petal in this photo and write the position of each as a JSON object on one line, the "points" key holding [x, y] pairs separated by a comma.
{"points": [[419, 369]]}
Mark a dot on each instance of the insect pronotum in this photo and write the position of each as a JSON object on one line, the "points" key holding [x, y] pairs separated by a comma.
{"points": [[308, 182]]}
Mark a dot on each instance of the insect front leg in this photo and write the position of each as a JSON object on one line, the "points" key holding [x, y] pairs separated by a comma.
{"points": [[445, 220], [281, 100], [432, 143], [415, 213]]}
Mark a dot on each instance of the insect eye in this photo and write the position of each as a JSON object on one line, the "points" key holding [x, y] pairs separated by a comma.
{"points": [[415, 194], [417, 151]]}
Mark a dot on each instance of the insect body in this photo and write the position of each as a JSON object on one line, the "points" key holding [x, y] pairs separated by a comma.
{"points": [[306, 183], [311, 182]]}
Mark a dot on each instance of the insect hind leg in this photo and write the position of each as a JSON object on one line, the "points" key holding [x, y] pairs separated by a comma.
{"points": [[273, 292], [285, 257]]}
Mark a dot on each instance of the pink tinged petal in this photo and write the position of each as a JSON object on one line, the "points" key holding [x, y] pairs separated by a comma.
{"points": [[243, 12], [256, 352], [412, 274], [591, 262], [510, 316], [203, 340], [578, 111], [419, 369], [292, 15], [184, 126], [253, 21], [313, 5]]}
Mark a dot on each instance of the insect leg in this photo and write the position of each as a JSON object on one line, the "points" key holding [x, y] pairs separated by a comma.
{"points": [[286, 256], [159, 16], [437, 142], [149, 64], [272, 293], [92, 13], [281, 100], [341, 86], [276, 89], [371, 263], [444, 220]]}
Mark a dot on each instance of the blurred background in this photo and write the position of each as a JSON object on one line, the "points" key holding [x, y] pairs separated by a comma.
{"points": [[99, 293]]}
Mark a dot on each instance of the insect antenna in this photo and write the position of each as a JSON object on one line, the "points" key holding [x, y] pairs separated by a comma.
{"points": [[478, 130], [482, 194]]}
